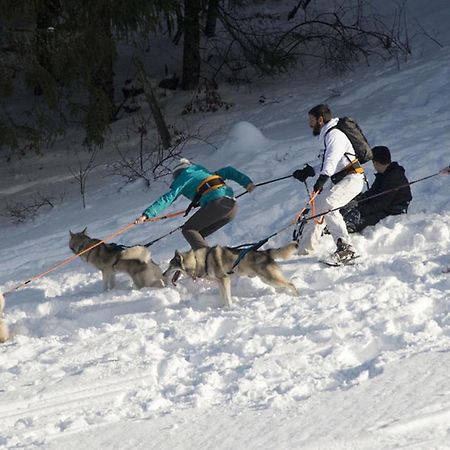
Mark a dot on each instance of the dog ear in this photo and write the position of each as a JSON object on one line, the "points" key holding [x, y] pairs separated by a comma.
{"points": [[71, 234], [84, 231]]}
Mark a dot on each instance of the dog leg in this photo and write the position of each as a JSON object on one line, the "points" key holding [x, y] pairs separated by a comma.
{"points": [[288, 286], [225, 291], [138, 280], [108, 279], [105, 281], [4, 332], [149, 276], [112, 280], [158, 284], [273, 276], [294, 290], [284, 284]]}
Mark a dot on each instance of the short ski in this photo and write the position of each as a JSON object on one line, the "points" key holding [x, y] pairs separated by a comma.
{"points": [[349, 262]]}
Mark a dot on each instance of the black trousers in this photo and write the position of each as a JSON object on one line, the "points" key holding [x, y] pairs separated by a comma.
{"points": [[207, 220]]}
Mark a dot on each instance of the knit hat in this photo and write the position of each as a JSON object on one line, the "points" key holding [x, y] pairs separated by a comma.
{"points": [[381, 154], [180, 165]]}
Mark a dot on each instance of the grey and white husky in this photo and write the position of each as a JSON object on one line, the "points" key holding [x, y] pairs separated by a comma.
{"points": [[4, 332], [110, 258], [215, 263]]}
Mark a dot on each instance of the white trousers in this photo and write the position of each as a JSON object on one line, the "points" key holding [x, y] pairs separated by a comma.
{"points": [[332, 196]]}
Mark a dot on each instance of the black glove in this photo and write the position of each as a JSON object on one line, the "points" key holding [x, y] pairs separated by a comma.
{"points": [[320, 182], [303, 174]]}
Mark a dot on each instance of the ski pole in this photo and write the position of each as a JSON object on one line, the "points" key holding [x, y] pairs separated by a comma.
{"points": [[148, 244], [301, 215], [264, 183], [307, 189]]}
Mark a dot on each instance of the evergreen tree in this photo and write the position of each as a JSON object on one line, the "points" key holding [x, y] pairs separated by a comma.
{"points": [[63, 51], [191, 44]]}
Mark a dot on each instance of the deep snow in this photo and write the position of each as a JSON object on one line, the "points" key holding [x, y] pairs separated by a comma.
{"points": [[359, 360]]}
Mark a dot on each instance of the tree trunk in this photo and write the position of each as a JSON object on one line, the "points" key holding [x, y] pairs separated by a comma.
{"points": [[153, 103], [99, 52], [46, 17], [211, 18], [191, 47], [103, 74]]}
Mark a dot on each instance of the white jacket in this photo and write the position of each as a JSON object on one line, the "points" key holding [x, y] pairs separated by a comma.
{"points": [[334, 147]]}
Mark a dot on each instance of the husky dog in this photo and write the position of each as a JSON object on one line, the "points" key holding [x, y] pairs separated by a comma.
{"points": [[4, 332], [215, 263], [111, 258]]}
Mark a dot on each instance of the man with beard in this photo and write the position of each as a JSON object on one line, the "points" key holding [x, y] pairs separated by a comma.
{"points": [[341, 178]]}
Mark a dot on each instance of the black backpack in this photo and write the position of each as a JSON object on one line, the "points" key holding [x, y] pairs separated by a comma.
{"points": [[356, 137]]}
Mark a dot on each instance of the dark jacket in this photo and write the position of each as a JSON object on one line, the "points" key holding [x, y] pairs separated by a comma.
{"points": [[391, 203]]}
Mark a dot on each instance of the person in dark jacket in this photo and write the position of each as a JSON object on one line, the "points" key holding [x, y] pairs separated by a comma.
{"points": [[360, 213]]}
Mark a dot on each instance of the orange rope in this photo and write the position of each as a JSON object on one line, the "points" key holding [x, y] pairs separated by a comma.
{"points": [[311, 202], [298, 215], [166, 216], [73, 257], [70, 259]]}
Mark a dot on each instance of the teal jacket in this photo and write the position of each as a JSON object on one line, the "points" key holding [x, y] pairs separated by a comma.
{"points": [[187, 182]]}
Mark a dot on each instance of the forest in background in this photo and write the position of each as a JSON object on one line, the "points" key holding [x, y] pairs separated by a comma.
{"points": [[58, 59]]}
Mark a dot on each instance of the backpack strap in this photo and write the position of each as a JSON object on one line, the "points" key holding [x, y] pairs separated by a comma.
{"points": [[354, 157], [325, 144], [346, 154], [353, 167], [354, 164]]}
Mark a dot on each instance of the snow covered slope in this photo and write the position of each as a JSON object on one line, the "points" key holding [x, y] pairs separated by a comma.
{"points": [[359, 360]]}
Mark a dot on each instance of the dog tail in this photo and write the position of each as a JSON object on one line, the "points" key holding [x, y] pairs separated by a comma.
{"points": [[4, 332], [137, 252], [2, 304], [283, 252]]}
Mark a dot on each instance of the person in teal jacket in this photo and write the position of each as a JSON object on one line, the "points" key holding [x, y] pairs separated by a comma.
{"points": [[216, 199]]}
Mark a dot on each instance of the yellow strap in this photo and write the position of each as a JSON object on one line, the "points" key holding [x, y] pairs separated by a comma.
{"points": [[355, 167], [207, 180], [213, 188]]}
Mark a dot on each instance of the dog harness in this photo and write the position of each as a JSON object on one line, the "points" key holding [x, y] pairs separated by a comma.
{"points": [[84, 246], [195, 274]]}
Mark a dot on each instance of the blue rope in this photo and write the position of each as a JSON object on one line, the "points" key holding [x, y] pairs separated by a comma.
{"points": [[248, 248]]}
